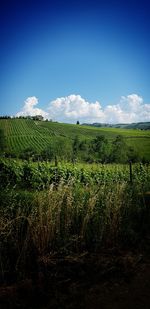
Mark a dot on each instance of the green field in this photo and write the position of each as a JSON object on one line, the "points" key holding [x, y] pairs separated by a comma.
{"points": [[21, 134], [63, 207]]}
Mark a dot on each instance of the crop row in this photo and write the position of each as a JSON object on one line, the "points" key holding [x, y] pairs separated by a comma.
{"points": [[21, 134]]}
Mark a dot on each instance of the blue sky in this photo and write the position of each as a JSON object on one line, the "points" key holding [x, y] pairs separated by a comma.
{"points": [[95, 50]]}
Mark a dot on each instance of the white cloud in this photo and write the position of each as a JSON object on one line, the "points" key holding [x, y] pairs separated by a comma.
{"points": [[74, 107], [130, 108], [29, 108]]}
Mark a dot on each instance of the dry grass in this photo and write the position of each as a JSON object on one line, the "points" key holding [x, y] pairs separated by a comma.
{"points": [[69, 218]]}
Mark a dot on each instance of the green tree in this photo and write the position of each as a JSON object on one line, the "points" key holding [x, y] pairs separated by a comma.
{"points": [[101, 147], [119, 150]]}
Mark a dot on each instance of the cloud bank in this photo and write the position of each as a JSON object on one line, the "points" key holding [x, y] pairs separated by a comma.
{"points": [[74, 107], [130, 108]]}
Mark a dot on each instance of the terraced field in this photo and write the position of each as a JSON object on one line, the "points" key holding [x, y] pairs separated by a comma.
{"points": [[23, 133]]}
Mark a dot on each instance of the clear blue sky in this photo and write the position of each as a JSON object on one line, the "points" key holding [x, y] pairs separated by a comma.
{"points": [[97, 49]]}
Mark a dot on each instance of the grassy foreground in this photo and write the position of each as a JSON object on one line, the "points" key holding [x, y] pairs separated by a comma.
{"points": [[66, 228], [76, 210]]}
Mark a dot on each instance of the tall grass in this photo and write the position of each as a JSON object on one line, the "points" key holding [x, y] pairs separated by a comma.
{"points": [[67, 218]]}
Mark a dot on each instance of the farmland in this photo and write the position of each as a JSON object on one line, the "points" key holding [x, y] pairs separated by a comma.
{"points": [[67, 224], [21, 134]]}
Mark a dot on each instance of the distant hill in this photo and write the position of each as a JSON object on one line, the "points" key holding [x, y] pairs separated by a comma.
{"points": [[21, 134], [138, 125]]}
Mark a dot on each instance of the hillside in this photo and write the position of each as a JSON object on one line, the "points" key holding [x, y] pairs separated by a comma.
{"points": [[21, 134], [138, 125]]}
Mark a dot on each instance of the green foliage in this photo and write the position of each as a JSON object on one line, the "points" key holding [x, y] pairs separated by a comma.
{"points": [[47, 153], [24, 174], [23, 134], [29, 153], [101, 147], [10, 173], [119, 150]]}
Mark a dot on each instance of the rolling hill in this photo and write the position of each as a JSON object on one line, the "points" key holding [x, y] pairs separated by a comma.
{"points": [[23, 133], [138, 125]]}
